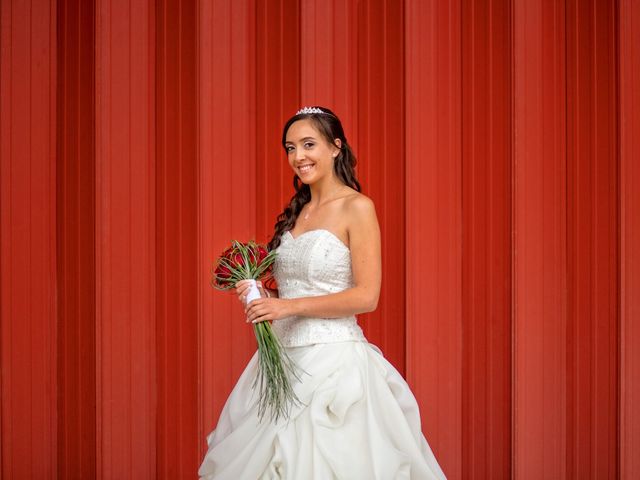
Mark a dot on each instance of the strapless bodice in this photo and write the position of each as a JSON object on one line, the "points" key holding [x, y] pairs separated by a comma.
{"points": [[315, 263]]}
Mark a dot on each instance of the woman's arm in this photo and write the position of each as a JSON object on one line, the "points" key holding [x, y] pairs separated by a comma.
{"points": [[364, 243]]}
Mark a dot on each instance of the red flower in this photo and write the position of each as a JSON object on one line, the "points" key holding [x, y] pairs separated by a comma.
{"points": [[270, 283], [223, 272], [222, 275], [238, 260], [262, 253], [227, 253], [253, 256], [242, 260]]}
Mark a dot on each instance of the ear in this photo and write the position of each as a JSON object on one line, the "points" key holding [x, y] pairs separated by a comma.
{"points": [[338, 144]]}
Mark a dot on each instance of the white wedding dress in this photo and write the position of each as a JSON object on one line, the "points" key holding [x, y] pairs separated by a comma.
{"points": [[359, 420]]}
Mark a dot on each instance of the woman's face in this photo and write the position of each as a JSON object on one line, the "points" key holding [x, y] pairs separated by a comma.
{"points": [[310, 155]]}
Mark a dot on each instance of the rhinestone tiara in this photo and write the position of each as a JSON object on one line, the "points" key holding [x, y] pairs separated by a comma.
{"points": [[310, 110]]}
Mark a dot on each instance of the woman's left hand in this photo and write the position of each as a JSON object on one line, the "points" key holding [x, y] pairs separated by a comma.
{"points": [[262, 309]]}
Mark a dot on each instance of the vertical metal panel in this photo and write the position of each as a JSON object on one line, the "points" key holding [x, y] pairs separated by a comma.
{"points": [[278, 63], [227, 192], [76, 241], [380, 148], [125, 236], [540, 255], [434, 223], [178, 445], [592, 238], [629, 114], [329, 38], [486, 243], [28, 239]]}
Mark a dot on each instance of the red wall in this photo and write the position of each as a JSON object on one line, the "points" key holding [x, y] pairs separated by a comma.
{"points": [[498, 139], [30, 381], [76, 239], [628, 38]]}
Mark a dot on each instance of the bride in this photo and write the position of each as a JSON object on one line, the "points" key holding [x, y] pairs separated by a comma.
{"points": [[358, 418]]}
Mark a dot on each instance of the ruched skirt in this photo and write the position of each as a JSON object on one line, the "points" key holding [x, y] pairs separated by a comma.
{"points": [[358, 419]]}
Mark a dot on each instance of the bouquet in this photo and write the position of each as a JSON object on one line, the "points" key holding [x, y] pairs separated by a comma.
{"points": [[250, 261]]}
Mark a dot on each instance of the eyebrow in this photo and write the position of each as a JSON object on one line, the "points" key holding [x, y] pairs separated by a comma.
{"points": [[302, 139]]}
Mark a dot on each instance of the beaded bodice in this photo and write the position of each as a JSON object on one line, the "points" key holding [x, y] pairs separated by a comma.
{"points": [[314, 263]]}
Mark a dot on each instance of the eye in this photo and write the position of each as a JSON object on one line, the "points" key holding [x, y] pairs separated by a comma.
{"points": [[308, 144], [288, 148]]}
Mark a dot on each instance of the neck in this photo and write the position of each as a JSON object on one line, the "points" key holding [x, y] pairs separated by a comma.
{"points": [[324, 190]]}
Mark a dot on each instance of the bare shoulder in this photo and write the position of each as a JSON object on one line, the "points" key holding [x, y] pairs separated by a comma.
{"points": [[361, 218], [358, 205]]}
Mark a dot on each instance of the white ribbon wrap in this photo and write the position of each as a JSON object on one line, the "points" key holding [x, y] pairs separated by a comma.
{"points": [[253, 292]]}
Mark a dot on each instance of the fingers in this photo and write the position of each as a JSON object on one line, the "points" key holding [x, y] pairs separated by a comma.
{"points": [[243, 285], [253, 315], [256, 312], [259, 318], [242, 289], [261, 289], [242, 296]]}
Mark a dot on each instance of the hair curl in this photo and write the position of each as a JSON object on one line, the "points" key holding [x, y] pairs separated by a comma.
{"points": [[330, 127]]}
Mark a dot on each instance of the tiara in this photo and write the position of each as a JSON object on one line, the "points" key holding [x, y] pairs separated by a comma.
{"points": [[311, 110]]}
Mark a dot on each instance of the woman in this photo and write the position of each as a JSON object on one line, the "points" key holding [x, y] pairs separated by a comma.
{"points": [[358, 418]]}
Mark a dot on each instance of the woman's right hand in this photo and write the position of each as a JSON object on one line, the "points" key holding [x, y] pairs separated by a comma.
{"points": [[242, 289]]}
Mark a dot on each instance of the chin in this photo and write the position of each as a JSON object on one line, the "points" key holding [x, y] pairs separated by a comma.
{"points": [[307, 181]]}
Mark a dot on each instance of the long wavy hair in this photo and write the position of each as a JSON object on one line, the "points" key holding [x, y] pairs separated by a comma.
{"points": [[330, 127]]}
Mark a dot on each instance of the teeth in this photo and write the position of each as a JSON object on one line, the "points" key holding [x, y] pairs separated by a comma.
{"points": [[305, 168]]}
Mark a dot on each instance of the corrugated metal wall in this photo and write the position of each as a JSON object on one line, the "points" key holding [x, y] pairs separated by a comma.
{"points": [[498, 139], [28, 222], [628, 37], [76, 240]]}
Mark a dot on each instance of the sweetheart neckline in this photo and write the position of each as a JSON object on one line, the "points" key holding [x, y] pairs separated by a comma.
{"points": [[318, 230]]}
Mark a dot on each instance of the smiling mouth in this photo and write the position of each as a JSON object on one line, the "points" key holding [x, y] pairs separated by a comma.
{"points": [[305, 168]]}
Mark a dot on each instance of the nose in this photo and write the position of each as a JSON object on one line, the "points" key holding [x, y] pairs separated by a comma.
{"points": [[299, 154]]}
